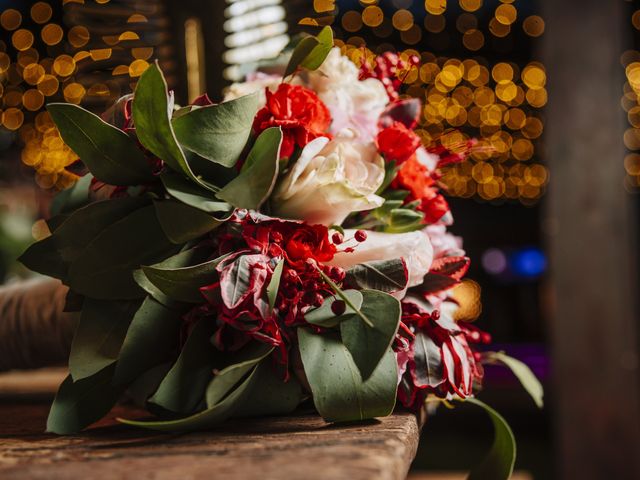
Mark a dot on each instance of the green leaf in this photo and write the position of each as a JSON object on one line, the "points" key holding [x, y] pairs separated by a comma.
{"points": [[366, 344], [499, 462], [108, 152], [182, 223], [274, 283], [193, 256], [218, 132], [72, 198], [99, 335], [386, 275], [343, 297], [152, 119], [104, 269], [258, 176], [53, 255], [183, 388], [242, 363], [144, 385], [78, 405], [191, 194], [150, 339], [311, 52], [523, 373], [183, 284], [269, 394], [323, 316], [339, 393], [203, 420]]}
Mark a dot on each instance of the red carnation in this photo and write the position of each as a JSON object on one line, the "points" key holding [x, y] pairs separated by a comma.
{"points": [[298, 111], [310, 241], [397, 142], [434, 208]]}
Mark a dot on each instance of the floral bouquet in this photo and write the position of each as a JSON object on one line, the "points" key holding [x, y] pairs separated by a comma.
{"points": [[237, 259]]}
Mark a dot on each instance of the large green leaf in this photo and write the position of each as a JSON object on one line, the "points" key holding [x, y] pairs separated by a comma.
{"points": [[324, 316], [218, 132], [241, 363], [182, 223], [104, 270], [182, 390], [368, 344], [191, 194], [527, 378], [108, 152], [71, 199], [255, 183], [274, 283], [152, 119], [53, 255], [193, 256], [311, 52], [385, 275], [151, 338], [78, 404], [99, 335], [339, 393], [183, 284], [270, 394], [207, 418], [499, 462]]}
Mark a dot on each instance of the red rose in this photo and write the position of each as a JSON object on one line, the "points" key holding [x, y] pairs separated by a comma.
{"points": [[397, 142], [298, 111], [310, 241]]}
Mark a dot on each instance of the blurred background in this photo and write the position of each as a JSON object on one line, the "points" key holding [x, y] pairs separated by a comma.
{"points": [[548, 213]]}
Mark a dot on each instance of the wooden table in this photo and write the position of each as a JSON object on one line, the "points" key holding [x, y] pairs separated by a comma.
{"points": [[302, 446]]}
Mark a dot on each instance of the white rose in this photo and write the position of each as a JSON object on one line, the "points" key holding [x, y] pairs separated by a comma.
{"points": [[414, 247], [353, 103], [331, 179]]}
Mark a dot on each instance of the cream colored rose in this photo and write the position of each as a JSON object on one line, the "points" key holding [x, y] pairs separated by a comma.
{"points": [[331, 179], [414, 247], [353, 103]]}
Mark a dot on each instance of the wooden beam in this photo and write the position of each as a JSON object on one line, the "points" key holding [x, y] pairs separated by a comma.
{"points": [[592, 242]]}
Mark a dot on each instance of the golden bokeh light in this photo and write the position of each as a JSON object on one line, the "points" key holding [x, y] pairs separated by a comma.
{"points": [[506, 14], [78, 36], [10, 19], [33, 99], [533, 26], [470, 5], [64, 65], [74, 92], [41, 12], [137, 68], [48, 85], [435, 7], [372, 16], [473, 39], [12, 118], [33, 73], [402, 20], [22, 39]]}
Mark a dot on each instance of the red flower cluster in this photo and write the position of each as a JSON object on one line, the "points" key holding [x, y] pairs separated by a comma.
{"points": [[397, 143], [298, 111], [435, 356], [239, 298]]}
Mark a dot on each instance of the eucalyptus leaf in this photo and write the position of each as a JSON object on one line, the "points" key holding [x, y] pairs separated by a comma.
{"points": [[79, 404], [182, 390], [311, 52], [183, 284], [274, 283], [186, 258], [54, 255], [269, 394], [323, 316], [182, 223], [339, 393], [110, 154], [384, 275], [242, 363], [499, 462], [99, 335], [149, 341], [104, 269], [218, 132], [71, 199], [208, 418], [368, 344], [522, 372], [258, 176], [191, 194], [151, 117]]}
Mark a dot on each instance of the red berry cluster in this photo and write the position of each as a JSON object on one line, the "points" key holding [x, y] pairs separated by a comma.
{"points": [[387, 69]]}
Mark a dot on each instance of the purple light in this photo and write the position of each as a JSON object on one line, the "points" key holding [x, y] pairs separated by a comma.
{"points": [[494, 261]]}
